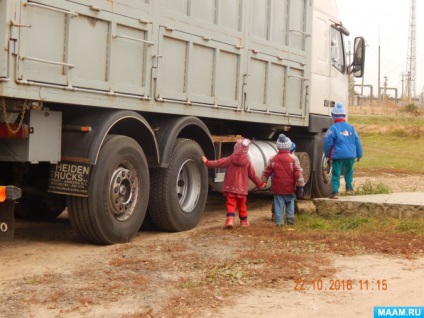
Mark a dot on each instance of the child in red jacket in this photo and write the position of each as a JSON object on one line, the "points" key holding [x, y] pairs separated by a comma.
{"points": [[299, 189], [286, 175], [236, 180]]}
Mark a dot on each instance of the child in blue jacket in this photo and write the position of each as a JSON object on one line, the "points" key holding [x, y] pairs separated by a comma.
{"points": [[342, 146]]}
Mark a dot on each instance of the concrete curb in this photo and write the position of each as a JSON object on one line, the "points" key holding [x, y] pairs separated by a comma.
{"points": [[396, 205]]}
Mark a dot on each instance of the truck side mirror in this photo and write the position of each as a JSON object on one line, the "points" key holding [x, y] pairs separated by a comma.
{"points": [[357, 66]]}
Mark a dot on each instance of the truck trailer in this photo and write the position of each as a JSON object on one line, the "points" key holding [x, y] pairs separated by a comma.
{"points": [[107, 106]]}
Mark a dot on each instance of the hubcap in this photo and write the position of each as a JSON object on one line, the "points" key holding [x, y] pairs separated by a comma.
{"points": [[326, 170], [124, 191], [188, 185]]}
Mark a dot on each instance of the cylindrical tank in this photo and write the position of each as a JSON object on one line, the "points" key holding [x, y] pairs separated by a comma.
{"points": [[259, 153]]}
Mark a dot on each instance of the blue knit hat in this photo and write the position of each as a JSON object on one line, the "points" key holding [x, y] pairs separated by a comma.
{"points": [[339, 111], [283, 142]]}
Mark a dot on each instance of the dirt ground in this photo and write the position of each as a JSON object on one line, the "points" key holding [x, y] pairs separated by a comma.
{"points": [[209, 272]]}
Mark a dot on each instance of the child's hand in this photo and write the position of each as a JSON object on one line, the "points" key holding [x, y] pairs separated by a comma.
{"points": [[204, 159], [299, 192]]}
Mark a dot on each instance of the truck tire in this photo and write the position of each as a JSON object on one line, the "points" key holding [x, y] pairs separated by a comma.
{"points": [[179, 192], [305, 163], [118, 194], [321, 183]]}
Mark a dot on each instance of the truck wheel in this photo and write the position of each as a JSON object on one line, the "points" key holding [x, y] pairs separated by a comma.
{"points": [[179, 192], [118, 194], [321, 183], [305, 163]]}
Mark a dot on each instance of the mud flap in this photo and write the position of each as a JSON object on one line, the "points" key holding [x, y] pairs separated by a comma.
{"points": [[9, 195]]}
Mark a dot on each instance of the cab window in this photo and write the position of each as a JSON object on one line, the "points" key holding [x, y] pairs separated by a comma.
{"points": [[337, 53]]}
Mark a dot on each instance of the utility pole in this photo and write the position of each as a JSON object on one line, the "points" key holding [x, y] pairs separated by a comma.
{"points": [[378, 86], [403, 86], [422, 97], [385, 88], [363, 75], [411, 59]]}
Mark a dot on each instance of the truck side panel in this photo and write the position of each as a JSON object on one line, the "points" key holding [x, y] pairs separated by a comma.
{"points": [[273, 75], [93, 61], [206, 62], [278, 73], [194, 76], [162, 56]]}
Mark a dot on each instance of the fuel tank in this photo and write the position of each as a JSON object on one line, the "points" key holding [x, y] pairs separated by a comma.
{"points": [[259, 153]]}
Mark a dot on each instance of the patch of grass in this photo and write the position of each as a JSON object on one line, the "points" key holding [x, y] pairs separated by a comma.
{"points": [[314, 222], [410, 226], [399, 133], [354, 223], [403, 120], [389, 151], [411, 108], [370, 187]]}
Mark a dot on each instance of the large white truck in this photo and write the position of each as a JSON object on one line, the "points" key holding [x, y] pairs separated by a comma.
{"points": [[107, 106]]}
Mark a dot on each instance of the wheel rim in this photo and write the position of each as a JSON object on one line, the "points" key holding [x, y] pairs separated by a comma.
{"points": [[326, 169], [305, 163], [188, 185], [124, 190]]}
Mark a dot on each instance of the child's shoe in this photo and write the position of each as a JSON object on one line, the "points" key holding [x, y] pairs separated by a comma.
{"points": [[334, 195], [229, 222], [290, 221], [244, 222]]}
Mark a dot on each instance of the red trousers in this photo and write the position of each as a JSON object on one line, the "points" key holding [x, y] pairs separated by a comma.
{"points": [[237, 202]]}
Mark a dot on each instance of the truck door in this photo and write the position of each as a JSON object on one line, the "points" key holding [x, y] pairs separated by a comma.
{"points": [[329, 78], [338, 78]]}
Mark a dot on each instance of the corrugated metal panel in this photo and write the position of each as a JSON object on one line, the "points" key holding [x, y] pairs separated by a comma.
{"points": [[278, 60], [86, 48], [3, 40]]}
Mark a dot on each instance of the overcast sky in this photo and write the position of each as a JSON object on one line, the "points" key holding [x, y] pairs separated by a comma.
{"points": [[385, 24]]}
